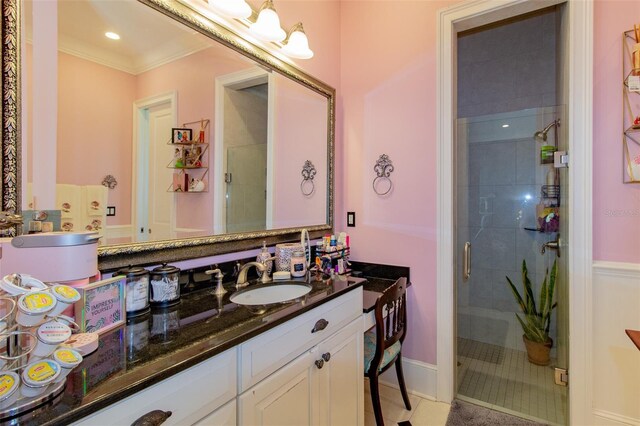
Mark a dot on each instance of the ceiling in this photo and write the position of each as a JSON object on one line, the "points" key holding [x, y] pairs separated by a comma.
{"points": [[148, 39]]}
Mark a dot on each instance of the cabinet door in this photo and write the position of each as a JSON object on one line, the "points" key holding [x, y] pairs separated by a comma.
{"points": [[223, 416], [287, 397], [189, 395], [341, 378]]}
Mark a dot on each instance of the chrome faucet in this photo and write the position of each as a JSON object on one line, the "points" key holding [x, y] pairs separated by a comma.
{"points": [[260, 266]]}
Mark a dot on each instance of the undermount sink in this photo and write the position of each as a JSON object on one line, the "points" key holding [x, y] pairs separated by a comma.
{"points": [[264, 294]]}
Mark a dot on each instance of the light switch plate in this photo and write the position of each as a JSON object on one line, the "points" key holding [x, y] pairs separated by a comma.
{"points": [[351, 219], [111, 210]]}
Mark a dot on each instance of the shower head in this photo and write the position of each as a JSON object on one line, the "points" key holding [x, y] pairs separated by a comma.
{"points": [[542, 134]]}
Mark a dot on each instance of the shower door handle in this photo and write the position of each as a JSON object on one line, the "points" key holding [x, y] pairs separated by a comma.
{"points": [[466, 261]]}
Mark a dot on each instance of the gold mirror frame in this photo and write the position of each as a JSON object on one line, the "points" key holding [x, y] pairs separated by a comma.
{"points": [[111, 257]]}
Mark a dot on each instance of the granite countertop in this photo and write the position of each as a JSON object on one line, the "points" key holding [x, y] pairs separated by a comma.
{"points": [[379, 277], [164, 342]]}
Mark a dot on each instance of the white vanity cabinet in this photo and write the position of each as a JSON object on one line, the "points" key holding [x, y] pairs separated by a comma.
{"points": [[322, 385], [308, 370], [190, 395]]}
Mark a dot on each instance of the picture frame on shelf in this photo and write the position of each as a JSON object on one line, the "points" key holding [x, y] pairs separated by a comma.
{"points": [[102, 305], [181, 135]]}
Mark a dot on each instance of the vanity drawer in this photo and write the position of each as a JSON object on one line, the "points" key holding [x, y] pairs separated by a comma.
{"points": [[269, 351], [190, 395]]}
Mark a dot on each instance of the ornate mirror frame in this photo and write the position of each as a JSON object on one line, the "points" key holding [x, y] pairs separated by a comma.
{"points": [[114, 256]]}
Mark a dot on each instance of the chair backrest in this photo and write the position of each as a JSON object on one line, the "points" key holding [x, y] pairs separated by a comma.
{"points": [[391, 316]]}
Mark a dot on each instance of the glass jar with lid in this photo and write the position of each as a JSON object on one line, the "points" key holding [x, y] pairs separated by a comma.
{"points": [[137, 290]]}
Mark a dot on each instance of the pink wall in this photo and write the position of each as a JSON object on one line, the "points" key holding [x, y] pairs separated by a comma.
{"points": [[94, 128], [616, 206], [388, 64], [293, 145]]}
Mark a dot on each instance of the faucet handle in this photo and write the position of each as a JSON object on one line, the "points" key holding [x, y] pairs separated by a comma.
{"points": [[216, 271]]}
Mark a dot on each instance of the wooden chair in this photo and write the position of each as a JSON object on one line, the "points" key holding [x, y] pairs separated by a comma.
{"points": [[383, 348]]}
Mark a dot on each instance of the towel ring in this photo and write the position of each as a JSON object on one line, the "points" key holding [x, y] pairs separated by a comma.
{"points": [[383, 169], [308, 173], [109, 181]]}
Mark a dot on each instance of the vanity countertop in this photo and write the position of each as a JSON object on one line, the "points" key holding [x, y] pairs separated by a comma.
{"points": [[160, 344]]}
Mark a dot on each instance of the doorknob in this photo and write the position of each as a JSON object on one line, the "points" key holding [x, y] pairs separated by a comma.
{"points": [[552, 245]]}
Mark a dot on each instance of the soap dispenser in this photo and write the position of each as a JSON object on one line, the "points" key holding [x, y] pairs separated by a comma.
{"points": [[263, 257]]}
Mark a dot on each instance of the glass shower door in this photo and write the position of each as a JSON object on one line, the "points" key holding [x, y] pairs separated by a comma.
{"points": [[246, 188], [508, 205]]}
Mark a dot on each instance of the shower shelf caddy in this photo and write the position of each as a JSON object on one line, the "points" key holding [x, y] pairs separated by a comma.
{"points": [[631, 110]]}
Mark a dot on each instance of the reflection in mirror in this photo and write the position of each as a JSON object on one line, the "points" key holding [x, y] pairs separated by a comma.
{"points": [[200, 139]]}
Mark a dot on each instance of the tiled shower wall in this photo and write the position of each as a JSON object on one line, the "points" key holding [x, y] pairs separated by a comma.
{"points": [[508, 67], [506, 75], [498, 189]]}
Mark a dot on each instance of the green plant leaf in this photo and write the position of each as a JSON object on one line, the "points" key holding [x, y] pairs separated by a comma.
{"points": [[516, 294], [537, 317], [531, 303]]}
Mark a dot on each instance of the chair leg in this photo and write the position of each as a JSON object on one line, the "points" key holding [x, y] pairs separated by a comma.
{"points": [[375, 399], [403, 388]]}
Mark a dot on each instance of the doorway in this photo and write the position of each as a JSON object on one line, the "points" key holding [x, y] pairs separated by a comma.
{"points": [[244, 151], [153, 205], [508, 201], [575, 59]]}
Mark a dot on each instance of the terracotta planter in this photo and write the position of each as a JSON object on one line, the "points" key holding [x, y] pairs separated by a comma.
{"points": [[538, 353]]}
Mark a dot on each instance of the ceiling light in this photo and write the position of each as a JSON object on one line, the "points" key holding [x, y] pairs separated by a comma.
{"points": [[232, 8], [505, 125], [267, 26], [112, 35], [297, 45]]}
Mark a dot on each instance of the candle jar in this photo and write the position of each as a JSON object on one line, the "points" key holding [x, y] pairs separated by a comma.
{"points": [[137, 290], [298, 264]]}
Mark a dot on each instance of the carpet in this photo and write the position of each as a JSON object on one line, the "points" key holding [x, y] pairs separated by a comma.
{"points": [[467, 414]]}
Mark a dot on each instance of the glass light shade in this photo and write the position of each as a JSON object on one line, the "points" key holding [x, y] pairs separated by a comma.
{"points": [[298, 45], [267, 26], [232, 8]]}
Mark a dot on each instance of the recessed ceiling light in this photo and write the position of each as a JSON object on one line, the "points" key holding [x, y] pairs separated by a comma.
{"points": [[505, 125], [112, 36]]}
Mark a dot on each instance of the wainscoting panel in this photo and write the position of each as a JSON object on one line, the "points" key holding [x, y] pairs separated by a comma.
{"points": [[616, 361]]}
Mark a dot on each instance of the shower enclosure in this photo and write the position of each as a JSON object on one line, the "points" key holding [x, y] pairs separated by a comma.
{"points": [[506, 192]]}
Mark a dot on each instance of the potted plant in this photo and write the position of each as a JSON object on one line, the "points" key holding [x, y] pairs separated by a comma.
{"points": [[537, 315]]}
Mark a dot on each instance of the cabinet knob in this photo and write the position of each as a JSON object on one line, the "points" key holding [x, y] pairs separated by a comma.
{"points": [[319, 364], [321, 324], [326, 356], [152, 418]]}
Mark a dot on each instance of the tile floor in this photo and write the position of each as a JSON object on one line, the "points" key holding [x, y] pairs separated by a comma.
{"points": [[424, 412], [504, 378]]}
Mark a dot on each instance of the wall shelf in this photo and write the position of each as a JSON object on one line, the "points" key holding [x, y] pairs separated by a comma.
{"points": [[631, 110], [190, 160]]}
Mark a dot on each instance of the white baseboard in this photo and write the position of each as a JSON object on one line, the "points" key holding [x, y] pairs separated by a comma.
{"points": [[419, 377], [602, 417]]}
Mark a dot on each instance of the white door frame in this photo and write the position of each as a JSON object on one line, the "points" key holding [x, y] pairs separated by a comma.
{"points": [[139, 162], [240, 80], [580, 21]]}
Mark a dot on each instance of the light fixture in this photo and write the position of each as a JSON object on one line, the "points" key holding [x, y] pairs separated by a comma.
{"points": [[267, 26], [238, 9], [505, 126], [112, 35], [297, 43]]}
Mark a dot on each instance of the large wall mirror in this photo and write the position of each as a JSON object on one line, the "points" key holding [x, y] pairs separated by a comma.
{"points": [[178, 139]]}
